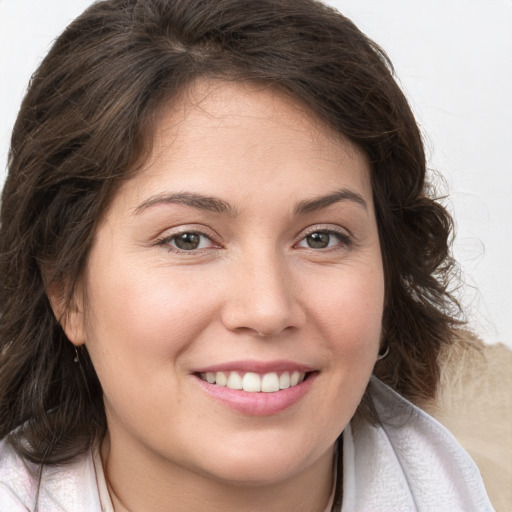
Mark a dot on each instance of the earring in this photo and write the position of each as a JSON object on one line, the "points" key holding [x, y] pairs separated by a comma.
{"points": [[384, 354], [76, 360]]}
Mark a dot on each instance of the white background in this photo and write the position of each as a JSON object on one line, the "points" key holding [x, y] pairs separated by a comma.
{"points": [[454, 61]]}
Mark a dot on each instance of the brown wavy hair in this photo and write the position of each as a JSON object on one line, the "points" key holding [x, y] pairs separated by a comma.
{"points": [[85, 125]]}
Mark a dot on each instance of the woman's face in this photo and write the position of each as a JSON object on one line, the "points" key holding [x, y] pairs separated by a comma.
{"points": [[245, 253]]}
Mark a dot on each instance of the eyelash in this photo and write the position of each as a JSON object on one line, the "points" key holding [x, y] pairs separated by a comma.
{"points": [[169, 239], [344, 240]]}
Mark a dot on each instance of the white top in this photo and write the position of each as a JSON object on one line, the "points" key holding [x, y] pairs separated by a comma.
{"points": [[409, 463]]}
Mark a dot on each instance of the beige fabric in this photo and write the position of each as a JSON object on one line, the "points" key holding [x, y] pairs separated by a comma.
{"points": [[475, 403]]}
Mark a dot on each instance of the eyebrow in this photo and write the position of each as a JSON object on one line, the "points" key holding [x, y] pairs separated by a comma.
{"points": [[317, 203], [216, 205], [199, 201]]}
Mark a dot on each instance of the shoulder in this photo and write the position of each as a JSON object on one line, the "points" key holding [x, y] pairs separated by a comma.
{"points": [[18, 481], [68, 487], [475, 403], [409, 461]]}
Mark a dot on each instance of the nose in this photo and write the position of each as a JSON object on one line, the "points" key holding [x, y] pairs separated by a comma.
{"points": [[262, 298]]}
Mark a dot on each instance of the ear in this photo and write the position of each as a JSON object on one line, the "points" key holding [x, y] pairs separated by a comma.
{"points": [[69, 314]]}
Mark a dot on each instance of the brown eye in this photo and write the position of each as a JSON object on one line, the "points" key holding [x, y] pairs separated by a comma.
{"points": [[189, 241], [318, 240], [325, 239]]}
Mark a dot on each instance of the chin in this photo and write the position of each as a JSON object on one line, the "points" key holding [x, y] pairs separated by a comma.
{"points": [[245, 473], [261, 466]]}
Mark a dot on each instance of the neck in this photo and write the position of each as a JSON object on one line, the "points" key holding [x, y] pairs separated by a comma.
{"points": [[167, 488]]}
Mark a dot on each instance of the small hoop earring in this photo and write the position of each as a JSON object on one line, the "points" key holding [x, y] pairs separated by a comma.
{"points": [[385, 354]]}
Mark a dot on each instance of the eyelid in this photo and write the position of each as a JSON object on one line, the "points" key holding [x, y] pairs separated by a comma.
{"points": [[170, 234], [345, 236]]}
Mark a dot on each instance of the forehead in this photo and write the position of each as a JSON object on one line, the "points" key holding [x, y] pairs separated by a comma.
{"points": [[249, 106], [219, 132]]}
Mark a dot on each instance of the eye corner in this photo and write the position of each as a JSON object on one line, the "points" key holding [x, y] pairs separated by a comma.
{"points": [[188, 241], [323, 239]]}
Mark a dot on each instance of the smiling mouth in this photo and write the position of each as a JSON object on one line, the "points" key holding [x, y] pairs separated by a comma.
{"points": [[254, 382]]}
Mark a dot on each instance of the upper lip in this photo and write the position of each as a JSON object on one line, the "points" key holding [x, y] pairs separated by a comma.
{"points": [[261, 367]]}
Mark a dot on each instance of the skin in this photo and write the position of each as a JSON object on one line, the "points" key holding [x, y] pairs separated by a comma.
{"points": [[253, 290]]}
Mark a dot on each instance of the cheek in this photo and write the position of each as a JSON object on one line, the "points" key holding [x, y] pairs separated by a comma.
{"points": [[140, 326], [346, 322], [151, 314], [350, 312]]}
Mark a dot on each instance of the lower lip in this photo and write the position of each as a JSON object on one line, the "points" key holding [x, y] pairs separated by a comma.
{"points": [[258, 404]]}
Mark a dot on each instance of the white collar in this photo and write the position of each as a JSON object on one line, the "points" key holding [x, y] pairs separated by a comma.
{"points": [[408, 463]]}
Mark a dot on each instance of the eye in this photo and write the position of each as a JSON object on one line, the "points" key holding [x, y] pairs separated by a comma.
{"points": [[187, 241], [324, 239]]}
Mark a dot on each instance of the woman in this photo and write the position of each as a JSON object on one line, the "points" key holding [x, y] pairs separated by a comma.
{"points": [[215, 229]]}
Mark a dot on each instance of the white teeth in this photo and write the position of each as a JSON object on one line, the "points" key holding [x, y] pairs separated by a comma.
{"points": [[294, 379], [270, 383], [221, 379], [253, 382], [234, 381], [284, 381]]}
